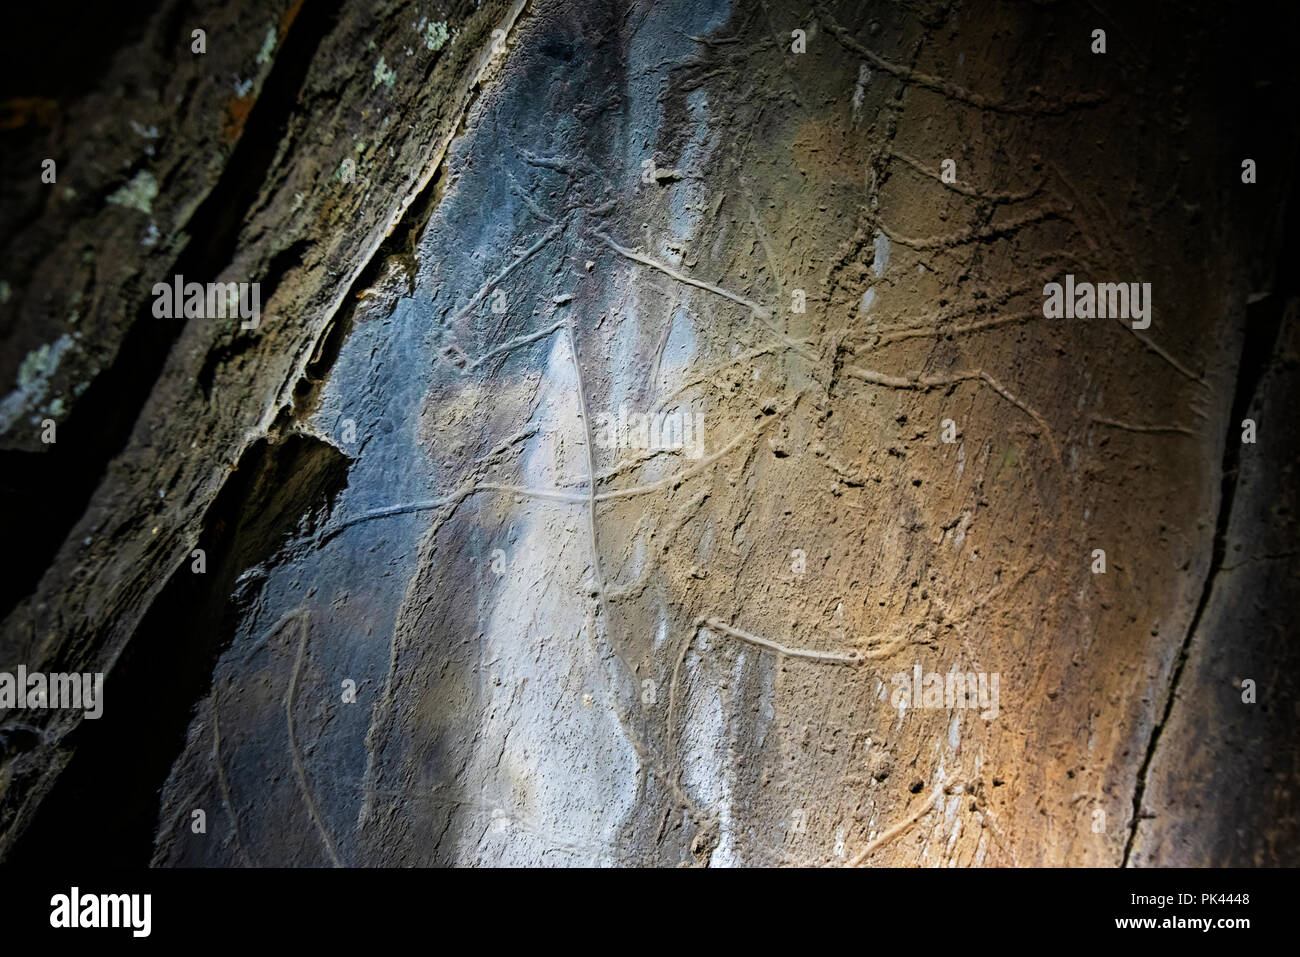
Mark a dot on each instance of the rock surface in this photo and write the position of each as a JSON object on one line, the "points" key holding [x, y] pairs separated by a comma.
{"points": [[456, 612]]}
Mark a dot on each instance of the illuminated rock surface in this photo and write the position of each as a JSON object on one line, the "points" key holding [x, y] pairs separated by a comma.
{"points": [[572, 650]]}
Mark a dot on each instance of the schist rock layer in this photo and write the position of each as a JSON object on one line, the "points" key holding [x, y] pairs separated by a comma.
{"points": [[651, 433]]}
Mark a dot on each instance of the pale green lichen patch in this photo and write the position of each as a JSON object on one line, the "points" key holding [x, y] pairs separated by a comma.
{"points": [[137, 194], [40, 363], [268, 47], [383, 74], [5, 291], [33, 379], [435, 36]]}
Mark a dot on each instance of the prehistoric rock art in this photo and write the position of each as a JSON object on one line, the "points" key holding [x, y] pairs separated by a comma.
{"points": [[682, 432]]}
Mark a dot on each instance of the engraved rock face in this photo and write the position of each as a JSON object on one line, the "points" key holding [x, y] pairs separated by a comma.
{"points": [[654, 449]]}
